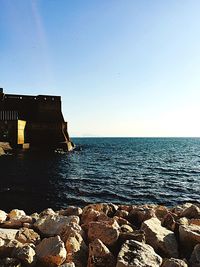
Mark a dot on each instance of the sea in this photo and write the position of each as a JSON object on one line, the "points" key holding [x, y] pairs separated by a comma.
{"points": [[119, 170]]}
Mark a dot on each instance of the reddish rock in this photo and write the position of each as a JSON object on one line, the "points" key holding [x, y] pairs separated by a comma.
{"points": [[77, 251], [51, 251], [107, 232]]}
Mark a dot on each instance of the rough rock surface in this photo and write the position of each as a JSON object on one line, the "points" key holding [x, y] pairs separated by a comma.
{"points": [[77, 251], [8, 233], [51, 251], [52, 225], [25, 235], [3, 216], [136, 254], [191, 212], [99, 255], [26, 254], [160, 238], [189, 237], [195, 257], [16, 214], [174, 263], [107, 232]]}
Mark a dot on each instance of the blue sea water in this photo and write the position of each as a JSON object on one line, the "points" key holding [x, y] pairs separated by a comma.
{"points": [[119, 170]]}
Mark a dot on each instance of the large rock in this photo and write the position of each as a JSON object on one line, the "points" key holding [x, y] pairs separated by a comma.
{"points": [[191, 212], [189, 236], [107, 232], [77, 251], [26, 254], [17, 222], [25, 235], [51, 251], [174, 263], [3, 216], [99, 255], [195, 257], [160, 238], [136, 254], [52, 225]]}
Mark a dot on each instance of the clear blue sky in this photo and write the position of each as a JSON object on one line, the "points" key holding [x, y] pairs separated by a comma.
{"points": [[122, 67]]}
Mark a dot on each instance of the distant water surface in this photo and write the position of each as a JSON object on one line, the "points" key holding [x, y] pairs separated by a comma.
{"points": [[119, 170]]}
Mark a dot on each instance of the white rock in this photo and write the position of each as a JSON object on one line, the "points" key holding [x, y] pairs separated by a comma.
{"points": [[160, 238], [52, 225], [3, 216], [26, 254], [8, 233]]}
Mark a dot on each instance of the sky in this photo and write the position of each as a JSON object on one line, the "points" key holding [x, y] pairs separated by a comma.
{"points": [[127, 68]]}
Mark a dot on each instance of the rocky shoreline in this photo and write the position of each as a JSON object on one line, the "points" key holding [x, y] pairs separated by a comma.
{"points": [[102, 235]]}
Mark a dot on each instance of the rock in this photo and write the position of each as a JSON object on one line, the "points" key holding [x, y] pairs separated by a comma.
{"points": [[121, 221], [71, 210], [127, 208], [136, 235], [3, 216], [108, 209], [125, 228], [107, 232], [69, 264], [77, 250], [7, 247], [122, 213], [160, 238], [26, 254], [52, 225], [10, 262], [141, 214], [25, 235], [195, 221], [195, 257], [169, 222], [51, 251], [89, 215], [174, 263], [47, 212], [6, 146], [2, 152], [189, 236], [8, 233], [191, 212], [136, 254], [71, 230], [17, 222], [99, 255], [180, 208], [161, 212], [16, 214]]}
